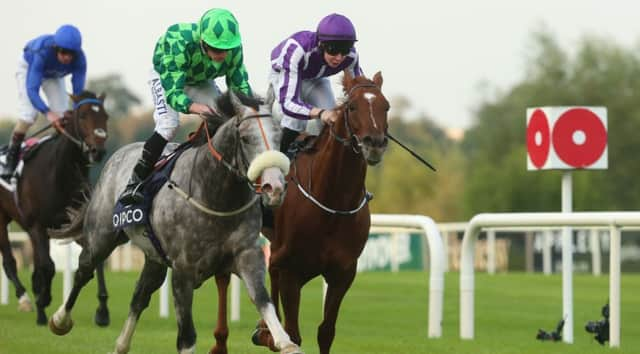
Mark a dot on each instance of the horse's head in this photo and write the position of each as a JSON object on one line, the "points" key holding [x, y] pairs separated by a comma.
{"points": [[259, 138], [87, 125], [365, 115]]}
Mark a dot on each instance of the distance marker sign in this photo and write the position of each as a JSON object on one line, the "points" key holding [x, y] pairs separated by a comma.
{"points": [[567, 138]]}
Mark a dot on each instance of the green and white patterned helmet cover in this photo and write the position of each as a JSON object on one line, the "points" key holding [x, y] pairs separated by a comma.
{"points": [[219, 29]]}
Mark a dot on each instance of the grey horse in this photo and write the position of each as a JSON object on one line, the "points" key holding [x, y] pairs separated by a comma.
{"points": [[207, 220]]}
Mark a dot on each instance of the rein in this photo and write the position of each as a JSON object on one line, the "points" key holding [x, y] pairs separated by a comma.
{"points": [[233, 169]]}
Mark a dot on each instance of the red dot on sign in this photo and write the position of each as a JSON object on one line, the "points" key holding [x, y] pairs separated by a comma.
{"points": [[538, 149], [585, 123]]}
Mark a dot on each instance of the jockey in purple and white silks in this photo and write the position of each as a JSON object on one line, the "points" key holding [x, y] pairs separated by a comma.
{"points": [[44, 63], [300, 66]]}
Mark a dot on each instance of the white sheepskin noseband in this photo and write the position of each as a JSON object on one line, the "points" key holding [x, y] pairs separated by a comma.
{"points": [[270, 158]]}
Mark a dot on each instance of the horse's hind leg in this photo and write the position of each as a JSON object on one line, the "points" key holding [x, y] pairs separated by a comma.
{"points": [[221, 333], [11, 270], [43, 271], [339, 281], [90, 257], [250, 266], [102, 313], [150, 280]]}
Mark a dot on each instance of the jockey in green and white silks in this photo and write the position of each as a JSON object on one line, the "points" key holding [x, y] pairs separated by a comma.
{"points": [[186, 60]]}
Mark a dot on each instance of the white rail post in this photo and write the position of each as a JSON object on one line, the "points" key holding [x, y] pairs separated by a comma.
{"points": [[436, 262], [594, 246], [614, 287], [67, 278], [547, 243], [567, 261], [491, 251], [4, 287], [235, 298], [164, 295]]}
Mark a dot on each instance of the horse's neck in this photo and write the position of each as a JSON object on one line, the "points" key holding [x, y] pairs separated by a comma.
{"points": [[212, 176], [68, 158], [336, 163]]}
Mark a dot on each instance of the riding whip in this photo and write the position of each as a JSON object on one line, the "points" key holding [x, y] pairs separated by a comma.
{"points": [[411, 152]]}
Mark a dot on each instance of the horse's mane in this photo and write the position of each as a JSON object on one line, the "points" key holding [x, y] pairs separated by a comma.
{"points": [[227, 111]]}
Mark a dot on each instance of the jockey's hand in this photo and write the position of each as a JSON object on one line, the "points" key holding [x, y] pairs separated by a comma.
{"points": [[55, 120], [52, 117], [199, 108], [329, 116]]}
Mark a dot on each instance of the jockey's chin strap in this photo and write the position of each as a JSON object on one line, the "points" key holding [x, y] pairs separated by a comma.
{"points": [[352, 139], [84, 147]]}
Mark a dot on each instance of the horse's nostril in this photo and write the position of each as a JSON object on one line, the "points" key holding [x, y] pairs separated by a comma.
{"points": [[367, 140], [385, 141], [266, 188]]}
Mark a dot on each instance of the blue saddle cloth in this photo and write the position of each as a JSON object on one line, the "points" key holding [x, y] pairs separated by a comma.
{"points": [[138, 214]]}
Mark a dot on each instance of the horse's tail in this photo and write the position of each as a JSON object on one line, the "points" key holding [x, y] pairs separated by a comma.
{"points": [[75, 214]]}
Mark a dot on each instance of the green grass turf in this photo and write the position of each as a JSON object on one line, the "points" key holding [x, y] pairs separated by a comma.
{"points": [[382, 313]]}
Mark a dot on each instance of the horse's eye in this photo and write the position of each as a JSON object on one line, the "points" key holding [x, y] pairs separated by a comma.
{"points": [[245, 139], [352, 108]]}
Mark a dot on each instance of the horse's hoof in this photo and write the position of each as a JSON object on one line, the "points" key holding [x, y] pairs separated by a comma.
{"points": [[42, 319], [262, 338], [291, 349], [61, 331], [24, 303], [102, 318]]}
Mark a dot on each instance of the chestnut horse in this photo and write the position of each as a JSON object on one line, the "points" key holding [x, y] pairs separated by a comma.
{"points": [[323, 224], [54, 177]]}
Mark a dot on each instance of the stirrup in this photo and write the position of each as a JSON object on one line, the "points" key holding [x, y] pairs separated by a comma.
{"points": [[132, 194]]}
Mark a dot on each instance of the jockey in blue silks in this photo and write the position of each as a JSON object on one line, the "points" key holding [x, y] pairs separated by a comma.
{"points": [[44, 63]]}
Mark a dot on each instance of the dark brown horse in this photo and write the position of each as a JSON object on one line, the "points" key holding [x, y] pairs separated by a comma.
{"points": [[54, 176], [323, 224]]}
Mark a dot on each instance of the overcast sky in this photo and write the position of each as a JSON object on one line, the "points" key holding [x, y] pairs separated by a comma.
{"points": [[433, 52]]}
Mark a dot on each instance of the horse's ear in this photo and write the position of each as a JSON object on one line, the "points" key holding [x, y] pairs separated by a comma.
{"points": [[238, 107], [347, 81], [102, 96], [377, 79], [271, 97]]}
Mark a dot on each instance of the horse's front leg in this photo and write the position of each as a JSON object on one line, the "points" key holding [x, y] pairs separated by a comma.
{"points": [[182, 301], [43, 271], [251, 268], [151, 278], [221, 333], [338, 281]]}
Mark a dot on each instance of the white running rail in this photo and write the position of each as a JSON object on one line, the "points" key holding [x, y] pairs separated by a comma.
{"points": [[614, 220]]}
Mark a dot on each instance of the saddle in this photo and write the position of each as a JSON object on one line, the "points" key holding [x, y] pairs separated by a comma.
{"points": [[27, 151], [304, 142]]}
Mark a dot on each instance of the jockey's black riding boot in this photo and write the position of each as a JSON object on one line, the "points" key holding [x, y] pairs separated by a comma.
{"points": [[288, 137], [150, 153], [12, 155]]}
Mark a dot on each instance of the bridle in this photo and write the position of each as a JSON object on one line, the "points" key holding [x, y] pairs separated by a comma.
{"points": [[352, 139], [231, 167], [80, 140], [238, 151]]}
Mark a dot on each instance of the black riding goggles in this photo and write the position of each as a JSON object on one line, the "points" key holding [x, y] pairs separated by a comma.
{"points": [[214, 50], [336, 47]]}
